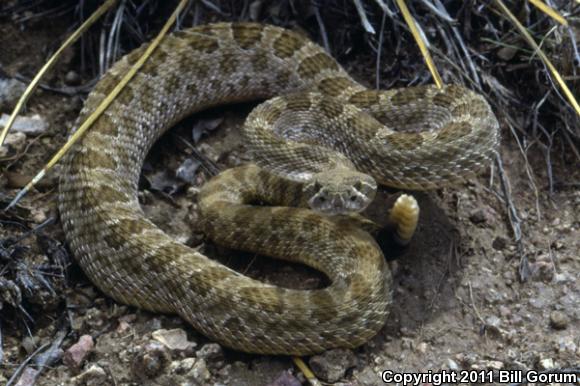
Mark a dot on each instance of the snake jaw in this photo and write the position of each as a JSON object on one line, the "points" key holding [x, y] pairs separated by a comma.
{"points": [[340, 192]]}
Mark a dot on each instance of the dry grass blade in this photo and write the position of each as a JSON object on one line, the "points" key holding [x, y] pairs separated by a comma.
{"points": [[363, 17], [420, 42], [103, 106], [34, 83], [549, 11], [385, 8], [541, 54], [306, 371]]}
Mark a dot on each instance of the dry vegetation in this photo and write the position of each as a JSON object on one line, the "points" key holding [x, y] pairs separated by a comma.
{"points": [[533, 185]]}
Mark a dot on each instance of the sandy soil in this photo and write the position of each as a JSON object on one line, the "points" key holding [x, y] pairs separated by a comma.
{"points": [[459, 301]]}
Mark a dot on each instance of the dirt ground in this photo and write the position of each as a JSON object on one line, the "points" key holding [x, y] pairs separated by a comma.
{"points": [[459, 301]]}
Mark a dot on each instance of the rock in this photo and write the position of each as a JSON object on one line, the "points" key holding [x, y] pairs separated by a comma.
{"points": [[422, 347], [331, 365], [151, 360], [14, 141], [33, 125], [72, 78], [29, 344], [499, 243], [481, 216], [546, 364], [199, 372], [93, 376], [487, 365], [561, 278], [182, 366], [211, 352], [122, 327], [187, 171], [78, 352], [506, 53], [452, 365], [542, 270], [10, 92], [495, 365], [558, 320], [285, 379], [174, 340], [202, 126], [567, 344], [28, 377], [492, 324], [209, 152]]}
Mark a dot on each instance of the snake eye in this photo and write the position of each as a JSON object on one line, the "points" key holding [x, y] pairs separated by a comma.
{"points": [[358, 185], [353, 198]]}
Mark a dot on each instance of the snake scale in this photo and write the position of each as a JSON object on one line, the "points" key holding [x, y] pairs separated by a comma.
{"points": [[323, 141]]}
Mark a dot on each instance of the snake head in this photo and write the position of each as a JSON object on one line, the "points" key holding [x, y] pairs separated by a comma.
{"points": [[340, 191]]}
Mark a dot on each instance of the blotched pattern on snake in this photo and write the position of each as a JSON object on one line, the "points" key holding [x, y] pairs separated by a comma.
{"points": [[324, 141]]}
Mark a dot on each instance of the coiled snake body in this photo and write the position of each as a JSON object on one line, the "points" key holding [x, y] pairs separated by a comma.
{"points": [[329, 136]]}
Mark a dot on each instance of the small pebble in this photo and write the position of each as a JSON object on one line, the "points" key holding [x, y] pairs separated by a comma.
{"points": [[478, 216], [78, 352], [492, 324], [495, 365], [422, 347], [14, 141], [10, 92], [122, 327], [93, 376], [487, 364], [29, 344], [558, 320], [72, 78], [199, 372], [28, 377], [187, 170], [211, 352], [175, 340], [567, 344], [33, 125], [499, 243], [331, 365], [546, 364], [151, 360], [182, 366], [285, 379], [506, 53], [452, 365]]}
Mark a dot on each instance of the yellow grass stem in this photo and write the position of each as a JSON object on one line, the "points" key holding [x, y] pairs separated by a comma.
{"points": [[524, 32], [34, 83], [420, 42], [549, 11], [310, 377], [103, 105]]}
